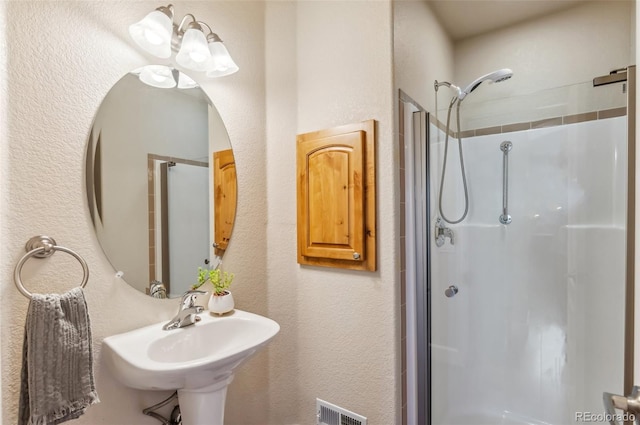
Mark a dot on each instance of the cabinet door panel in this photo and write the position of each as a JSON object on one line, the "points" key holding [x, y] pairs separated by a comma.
{"points": [[333, 196], [336, 197]]}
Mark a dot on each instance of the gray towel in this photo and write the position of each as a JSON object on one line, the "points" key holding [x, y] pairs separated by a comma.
{"points": [[57, 368]]}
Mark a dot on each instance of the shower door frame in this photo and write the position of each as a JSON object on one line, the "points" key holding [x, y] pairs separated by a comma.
{"points": [[418, 296], [420, 310], [629, 336]]}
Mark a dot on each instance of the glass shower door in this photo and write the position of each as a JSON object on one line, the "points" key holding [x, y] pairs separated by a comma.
{"points": [[526, 319]]}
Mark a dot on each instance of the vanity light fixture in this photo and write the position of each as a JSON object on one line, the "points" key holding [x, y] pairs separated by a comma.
{"points": [[159, 35], [159, 76], [186, 82], [164, 77]]}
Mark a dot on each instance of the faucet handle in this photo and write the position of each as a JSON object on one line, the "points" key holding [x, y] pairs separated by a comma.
{"points": [[189, 299]]}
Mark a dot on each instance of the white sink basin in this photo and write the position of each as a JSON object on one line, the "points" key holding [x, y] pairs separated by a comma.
{"points": [[197, 360]]}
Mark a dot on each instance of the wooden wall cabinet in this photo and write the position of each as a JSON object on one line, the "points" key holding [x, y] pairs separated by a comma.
{"points": [[336, 194]]}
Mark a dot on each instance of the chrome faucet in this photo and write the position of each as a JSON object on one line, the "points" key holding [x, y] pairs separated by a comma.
{"points": [[187, 312]]}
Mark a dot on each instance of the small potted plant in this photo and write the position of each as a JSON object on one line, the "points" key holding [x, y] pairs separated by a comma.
{"points": [[221, 300]]}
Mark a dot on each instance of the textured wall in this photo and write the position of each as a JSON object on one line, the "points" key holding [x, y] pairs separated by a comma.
{"points": [[4, 162], [329, 63], [422, 51], [63, 58], [552, 51], [341, 327]]}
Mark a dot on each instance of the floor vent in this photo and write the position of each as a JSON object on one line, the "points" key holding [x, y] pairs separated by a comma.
{"points": [[330, 414]]}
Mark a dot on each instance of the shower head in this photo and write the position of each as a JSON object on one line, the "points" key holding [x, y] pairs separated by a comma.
{"points": [[495, 77]]}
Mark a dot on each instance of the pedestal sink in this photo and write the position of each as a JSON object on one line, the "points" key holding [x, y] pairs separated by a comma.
{"points": [[198, 360]]}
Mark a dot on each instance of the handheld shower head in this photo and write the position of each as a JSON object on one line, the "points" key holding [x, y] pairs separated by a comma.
{"points": [[495, 77]]}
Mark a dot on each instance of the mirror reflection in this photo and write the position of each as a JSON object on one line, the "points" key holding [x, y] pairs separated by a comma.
{"points": [[161, 180]]}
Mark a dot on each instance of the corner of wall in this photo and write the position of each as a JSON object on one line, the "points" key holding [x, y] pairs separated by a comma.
{"points": [[4, 160], [423, 51], [281, 120]]}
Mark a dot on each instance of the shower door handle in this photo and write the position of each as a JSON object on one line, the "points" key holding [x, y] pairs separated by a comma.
{"points": [[629, 405], [505, 147]]}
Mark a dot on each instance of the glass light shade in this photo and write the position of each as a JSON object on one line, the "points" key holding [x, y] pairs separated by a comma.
{"points": [[186, 82], [194, 53], [222, 64], [153, 33], [157, 76]]}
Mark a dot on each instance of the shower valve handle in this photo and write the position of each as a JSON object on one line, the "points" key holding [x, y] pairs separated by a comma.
{"points": [[442, 232]]}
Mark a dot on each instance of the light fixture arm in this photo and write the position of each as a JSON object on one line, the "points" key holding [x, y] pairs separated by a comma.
{"points": [[179, 30], [194, 23], [212, 37], [206, 25], [167, 10]]}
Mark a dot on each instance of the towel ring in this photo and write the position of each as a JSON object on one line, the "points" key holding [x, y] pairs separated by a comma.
{"points": [[43, 247]]}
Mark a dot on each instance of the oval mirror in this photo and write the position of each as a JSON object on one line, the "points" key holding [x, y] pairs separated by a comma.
{"points": [[161, 180]]}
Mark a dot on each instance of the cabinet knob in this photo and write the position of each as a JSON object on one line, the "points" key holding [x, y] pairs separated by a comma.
{"points": [[356, 256]]}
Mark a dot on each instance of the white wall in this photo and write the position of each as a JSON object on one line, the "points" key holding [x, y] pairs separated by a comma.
{"points": [[4, 166], [282, 116], [422, 51], [51, 90], [555, 56], [341, 326], [557, 50]]}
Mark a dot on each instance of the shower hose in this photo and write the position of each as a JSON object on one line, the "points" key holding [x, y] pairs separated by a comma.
{"points": [[454, 101]]}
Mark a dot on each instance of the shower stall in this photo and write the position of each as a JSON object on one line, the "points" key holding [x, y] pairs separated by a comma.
{"points": [[520, 313]]}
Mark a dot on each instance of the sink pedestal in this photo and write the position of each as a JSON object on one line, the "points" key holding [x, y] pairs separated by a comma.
{"points": [[204, 406]]}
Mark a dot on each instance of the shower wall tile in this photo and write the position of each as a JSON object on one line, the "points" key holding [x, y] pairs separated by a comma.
{"points": [[576, 118], [516, 127], [612, 113], [488, 130], [550, 122]]}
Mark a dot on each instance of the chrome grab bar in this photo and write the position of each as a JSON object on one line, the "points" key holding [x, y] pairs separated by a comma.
{"points": [[505, 147]]}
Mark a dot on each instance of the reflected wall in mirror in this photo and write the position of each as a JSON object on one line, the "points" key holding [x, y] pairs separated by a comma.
{"points": [[161, 182]]}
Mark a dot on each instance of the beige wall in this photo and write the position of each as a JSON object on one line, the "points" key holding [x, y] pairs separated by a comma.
{"points": [[552, 51], [55, 82], [423, 52], [341, 327], [4, 168], [328, 63]]}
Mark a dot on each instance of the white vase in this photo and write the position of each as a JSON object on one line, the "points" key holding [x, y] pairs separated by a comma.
{"points": [[221, 304]]}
